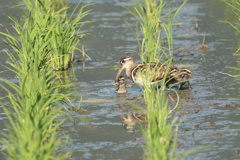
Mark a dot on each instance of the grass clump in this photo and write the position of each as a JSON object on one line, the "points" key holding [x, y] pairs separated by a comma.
{"points": [[32, 115], [161, 131], [155, 26], [45, 41], [32, 128], [63, 31], [160, 134], [235, 5]]}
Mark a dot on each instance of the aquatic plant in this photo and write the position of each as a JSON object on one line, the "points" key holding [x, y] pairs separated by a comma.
{"points": [[64, 36], [162, 125], [33, 114], [155, 27], [235, 5], [160, 134]]}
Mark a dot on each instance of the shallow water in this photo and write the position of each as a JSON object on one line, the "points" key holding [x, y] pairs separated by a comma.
{"points": [[211, 109]]}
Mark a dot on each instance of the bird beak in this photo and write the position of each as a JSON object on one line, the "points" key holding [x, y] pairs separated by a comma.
{"points": [[118, 74]]}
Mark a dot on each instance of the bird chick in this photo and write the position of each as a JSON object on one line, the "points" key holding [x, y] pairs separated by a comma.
{"points": [[121, 85]]}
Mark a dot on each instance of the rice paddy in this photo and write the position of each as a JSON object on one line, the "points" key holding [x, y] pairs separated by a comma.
{"points": [[61, 104]]}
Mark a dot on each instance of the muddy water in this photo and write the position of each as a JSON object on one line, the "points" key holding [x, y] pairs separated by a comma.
{"points": [[211, 109]]}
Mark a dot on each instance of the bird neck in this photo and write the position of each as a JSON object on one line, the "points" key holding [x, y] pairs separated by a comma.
{"points": [[130, 68]]}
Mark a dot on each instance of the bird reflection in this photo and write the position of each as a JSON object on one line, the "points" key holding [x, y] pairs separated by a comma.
{"points": [[132, 119]]}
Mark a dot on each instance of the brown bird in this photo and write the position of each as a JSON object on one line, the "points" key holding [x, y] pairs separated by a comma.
{"points": [[121, 85], [179, 76], [137, 71]]}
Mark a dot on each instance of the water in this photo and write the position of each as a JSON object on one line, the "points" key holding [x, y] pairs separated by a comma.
{"points": [[211, 109]]}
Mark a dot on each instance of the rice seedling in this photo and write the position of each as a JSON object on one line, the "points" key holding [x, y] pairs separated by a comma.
{"points": [[65, 39], [154, 29], [65, 32], [148, 15], [162, 126], [32, 128], [32, 115], [160, 133], [235, 5]]}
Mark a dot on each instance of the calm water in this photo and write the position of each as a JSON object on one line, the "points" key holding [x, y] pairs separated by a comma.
{"points": [[211, 109]]}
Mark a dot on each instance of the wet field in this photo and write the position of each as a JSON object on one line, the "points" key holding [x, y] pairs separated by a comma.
{"points": [[211, 109]]}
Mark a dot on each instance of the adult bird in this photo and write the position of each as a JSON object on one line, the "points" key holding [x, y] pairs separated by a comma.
{"points": [[137, 72]]}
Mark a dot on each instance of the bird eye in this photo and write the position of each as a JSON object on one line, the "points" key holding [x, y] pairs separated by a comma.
{"points": [[125, 60]]}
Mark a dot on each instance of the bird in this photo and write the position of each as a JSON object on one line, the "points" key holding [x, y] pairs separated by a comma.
{"points": [[121, 85], [157, 71], [179, 76]]}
